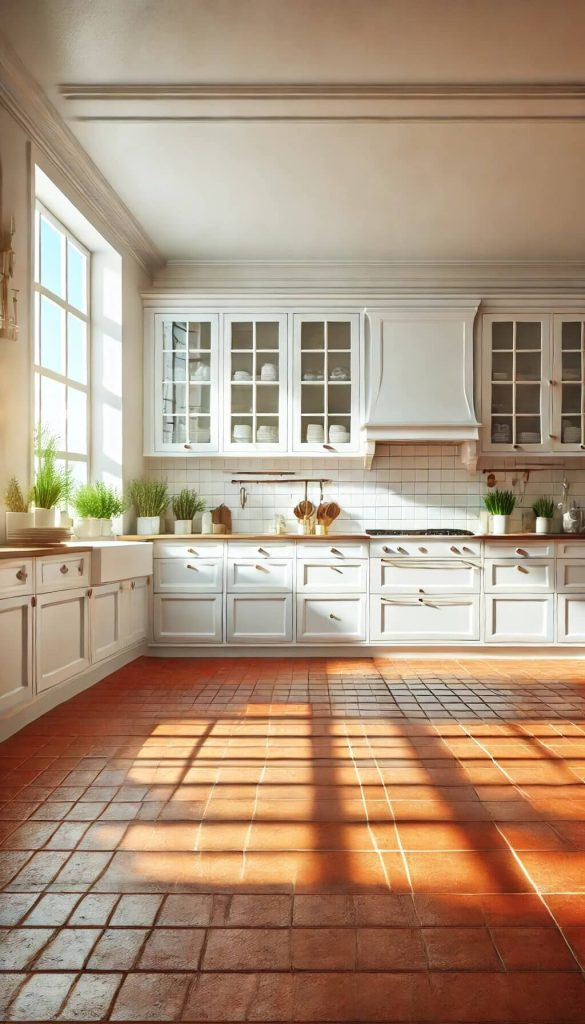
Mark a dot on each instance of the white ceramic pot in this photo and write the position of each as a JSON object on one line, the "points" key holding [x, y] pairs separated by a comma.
{"points": [[16, 521], [146, 525], [183, 526], [81, 527], [45, 517], [543, 524], [105, 527], [500, 525]]}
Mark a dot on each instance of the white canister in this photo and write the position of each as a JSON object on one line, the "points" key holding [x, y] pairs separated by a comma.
{"points": [[500, 525], [543, 524], [183, 526], [206, 523], [147, 525]]}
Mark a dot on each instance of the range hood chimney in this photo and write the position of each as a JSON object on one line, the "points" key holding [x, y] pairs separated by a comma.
{"points": [[420, 363]]}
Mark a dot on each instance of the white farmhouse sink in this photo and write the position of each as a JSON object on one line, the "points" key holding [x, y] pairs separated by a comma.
{"points": [[116, 560]]}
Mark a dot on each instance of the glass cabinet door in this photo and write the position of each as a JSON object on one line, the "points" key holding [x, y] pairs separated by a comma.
{"points": [[568, 384], [255, 383], [326, 372], [186, 383], [516, 372]]}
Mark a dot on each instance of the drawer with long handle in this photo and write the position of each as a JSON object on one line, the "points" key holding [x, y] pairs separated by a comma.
{"points": [[330, 551], [508, 576], [426, 547], [258, 575], [424, 576], [189, 575], [337, 577], [323, 618], [16, 577], [418, 619], [62, 572], [189, 549]]}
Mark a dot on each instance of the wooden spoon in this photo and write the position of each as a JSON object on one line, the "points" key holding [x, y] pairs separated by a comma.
{"points": [[333, 511]]}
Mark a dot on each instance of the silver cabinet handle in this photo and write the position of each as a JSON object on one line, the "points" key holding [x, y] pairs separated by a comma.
{"points": [[455, 550], [195, 568], [335, 568], [402, 551], [423, 551], [263, 551], [22, 575], [335, 617], [387, 550], [430, 563], [428, 602], [192, 551], [261, 568], [522, 551], [336, 551], [524, 569], [64, 570]]}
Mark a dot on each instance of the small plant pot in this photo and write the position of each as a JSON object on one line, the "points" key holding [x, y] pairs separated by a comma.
{"points": [[500, 525], [183, 526], [16, 521], [45, 517], [147, 525], [105, 528], [543, 524], [81, 528]]}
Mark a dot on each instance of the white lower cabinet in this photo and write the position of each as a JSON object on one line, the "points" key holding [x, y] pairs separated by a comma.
{"points": [[16, 647], [134, 611], [104, 617], [188, 575], [571, 618], [62, 636], [188, 618], [259, 618], [324, 618], [337, 577], [507, 576], [250, 576], [519, 618], [432, 619]]}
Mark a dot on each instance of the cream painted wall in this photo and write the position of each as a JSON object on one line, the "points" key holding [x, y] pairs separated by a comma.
{"points": [[16, 159]]}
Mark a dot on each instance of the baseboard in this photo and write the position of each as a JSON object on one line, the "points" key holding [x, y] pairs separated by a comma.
{"points": [[429, 652], [23, 714]]}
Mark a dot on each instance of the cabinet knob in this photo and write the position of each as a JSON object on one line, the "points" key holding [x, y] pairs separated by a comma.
{"points": [[192, 551], [133, 585], [194, 567], [64, 570], [263, 551], [188, 446], [402, 551], [424, 551], [334, 617], [336, 551], [22, 575], [455, 550], [90, 592], [522, 551]]}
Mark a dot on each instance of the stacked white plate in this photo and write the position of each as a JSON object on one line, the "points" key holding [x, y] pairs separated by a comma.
{"points": [[529, 437], [268, 371], [338, 434], [242, 375], [41, 535], [242, 433], [315, 433], [267, 434]]}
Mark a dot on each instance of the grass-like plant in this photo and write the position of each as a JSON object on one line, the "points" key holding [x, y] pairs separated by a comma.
{"points": [[187, 504], [500, 503], [149, 497], [14, 498], [544, 508], [53, 482], [86, 502]]}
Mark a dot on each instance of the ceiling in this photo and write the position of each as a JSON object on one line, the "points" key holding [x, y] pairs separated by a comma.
{"points": [[235, 175]]}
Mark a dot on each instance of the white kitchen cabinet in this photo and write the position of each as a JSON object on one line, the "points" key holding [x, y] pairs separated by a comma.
{"points": [[196, 548], [332, 550], [427, 547], [323, 618], [268, 575], [104, 618], [519, 618], [571, 575], [326, 378], [182, 379], [61, 572], [332, 577], [134, 611], [532, 548], [255, 382], [571, 549], [62, 647], [188, 618], [261, 549], [510, 576], [16, 577], [259, 618], [178, 575], [571, 618], [424, 576], [16, 647], [432, 619], [568, 383]]}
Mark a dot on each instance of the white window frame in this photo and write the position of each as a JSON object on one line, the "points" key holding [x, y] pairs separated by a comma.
{"points": [[40, 371]]}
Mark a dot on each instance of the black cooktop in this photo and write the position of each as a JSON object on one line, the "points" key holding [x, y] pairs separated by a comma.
{"points": [[420, 533]]}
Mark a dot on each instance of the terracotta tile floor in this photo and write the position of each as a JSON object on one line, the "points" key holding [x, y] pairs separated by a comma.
{"points": [[299, 840]]}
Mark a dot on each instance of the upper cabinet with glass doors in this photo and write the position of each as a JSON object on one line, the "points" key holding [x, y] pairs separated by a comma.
{"points": [[326, 375], [184, 386], [568, 383], [516, 383], [255, 383]]}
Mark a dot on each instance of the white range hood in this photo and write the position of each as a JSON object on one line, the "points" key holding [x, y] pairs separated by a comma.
{"points": [[420, 377]]}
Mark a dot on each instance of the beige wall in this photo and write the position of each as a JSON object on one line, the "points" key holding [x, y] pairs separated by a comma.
{"points": [[16, 160]]}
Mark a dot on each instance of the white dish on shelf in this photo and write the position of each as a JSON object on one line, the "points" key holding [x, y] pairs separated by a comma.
{"points": [[529, 437]]}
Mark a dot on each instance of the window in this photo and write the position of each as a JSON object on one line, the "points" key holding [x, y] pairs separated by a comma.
{"points": [[62, 343]]}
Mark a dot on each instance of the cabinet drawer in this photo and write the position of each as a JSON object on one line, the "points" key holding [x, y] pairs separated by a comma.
{"points": [[328, 619], [259, 618], [418, 619], [189, 549], [525, 549], [337, 577], [266, 574], [571, 575], [509, 576], [571, 549], [16, 577], [330, 551], [405, 576], [61, 572], [257, 549], [571, 618], [188, 618], [426, 547], [188, 575], [516, 618]]}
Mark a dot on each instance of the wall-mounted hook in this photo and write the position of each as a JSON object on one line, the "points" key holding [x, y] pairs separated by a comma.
{"points": [[243, 497]]}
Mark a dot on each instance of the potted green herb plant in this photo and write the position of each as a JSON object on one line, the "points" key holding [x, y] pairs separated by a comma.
{"points": [[111, 504], [150, 498], [500, 505], [17, 515], [52, 483], [86, 505], [186, 504], [544, 510]]}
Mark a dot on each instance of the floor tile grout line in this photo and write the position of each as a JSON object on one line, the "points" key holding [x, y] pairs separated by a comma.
{"points": [[373, 838]]}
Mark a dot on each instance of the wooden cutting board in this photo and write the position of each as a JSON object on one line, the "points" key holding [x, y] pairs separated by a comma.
{"points": [[223, 515]]}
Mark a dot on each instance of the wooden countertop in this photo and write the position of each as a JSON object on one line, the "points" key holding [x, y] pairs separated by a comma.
{"points": [[333, 537], [39, 550]]}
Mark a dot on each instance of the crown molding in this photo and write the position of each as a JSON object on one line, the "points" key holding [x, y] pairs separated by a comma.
{"points": [[275, 101], [23, 98]]}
